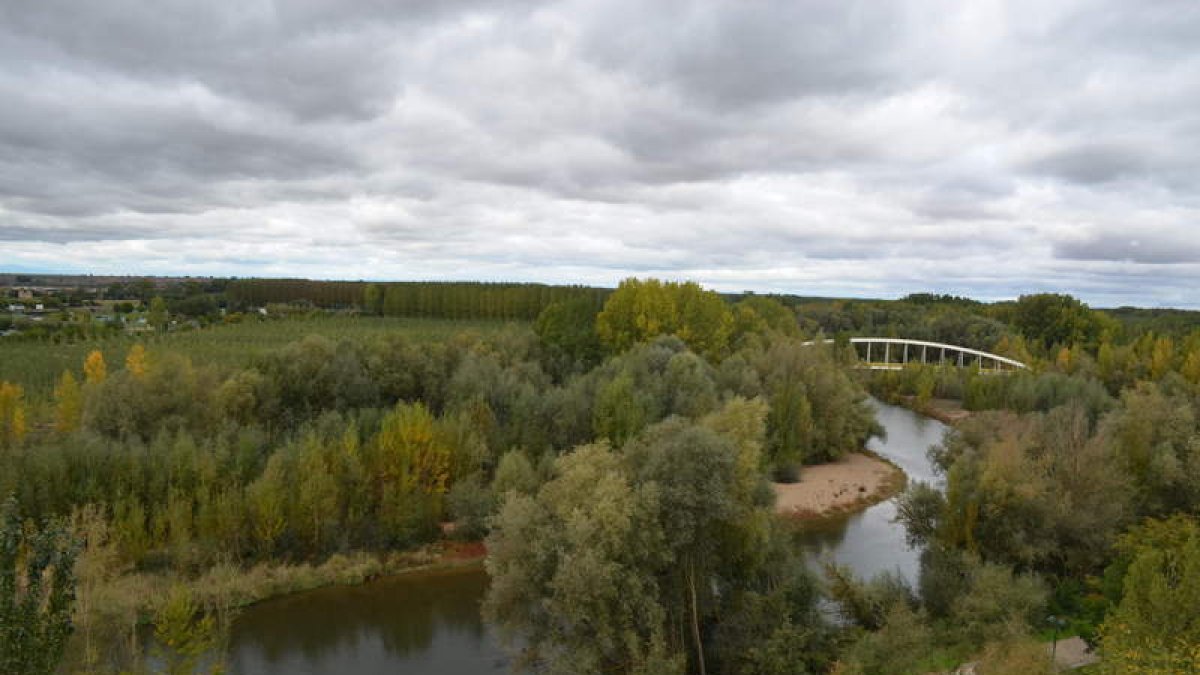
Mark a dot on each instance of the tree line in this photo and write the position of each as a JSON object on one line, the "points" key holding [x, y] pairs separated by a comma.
{"points": [[331, 446], [447, 300], [616, 453]]}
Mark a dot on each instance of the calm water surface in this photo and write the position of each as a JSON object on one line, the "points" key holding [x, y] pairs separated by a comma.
{"points": [[415, 623], [870, 541], [430, 623]]}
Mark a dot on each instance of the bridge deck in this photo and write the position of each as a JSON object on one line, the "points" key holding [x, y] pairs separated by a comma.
{"points": [[978, 357]]}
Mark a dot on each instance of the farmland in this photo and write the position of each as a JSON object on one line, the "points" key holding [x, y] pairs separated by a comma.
{"points": [[35, 365]]}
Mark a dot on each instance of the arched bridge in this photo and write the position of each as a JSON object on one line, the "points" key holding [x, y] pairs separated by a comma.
{"points": [[895, 353]]}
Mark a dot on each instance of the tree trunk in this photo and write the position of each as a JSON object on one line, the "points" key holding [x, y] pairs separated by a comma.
{"points": [[695, 617]]}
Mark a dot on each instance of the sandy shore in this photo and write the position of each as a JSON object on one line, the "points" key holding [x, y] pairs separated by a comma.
{"points": [[853, 482]]}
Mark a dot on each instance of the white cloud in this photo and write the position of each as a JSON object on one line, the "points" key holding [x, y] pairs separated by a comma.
{"points": [[983, 148]]}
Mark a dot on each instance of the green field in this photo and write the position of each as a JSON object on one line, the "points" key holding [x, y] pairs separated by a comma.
{"points": [[37, 365]]}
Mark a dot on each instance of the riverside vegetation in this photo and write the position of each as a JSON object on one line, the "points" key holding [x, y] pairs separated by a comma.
{"points": [[616, 454]]}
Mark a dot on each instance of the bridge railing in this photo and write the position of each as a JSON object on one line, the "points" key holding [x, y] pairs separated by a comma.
{"points": [[921, 350]]}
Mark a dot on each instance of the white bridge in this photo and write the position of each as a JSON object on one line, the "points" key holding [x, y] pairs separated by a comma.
{"points": [[895, 353]]}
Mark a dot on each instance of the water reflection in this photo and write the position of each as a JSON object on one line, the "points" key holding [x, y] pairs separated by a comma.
{"points": [[871, 542], [417, 623]]}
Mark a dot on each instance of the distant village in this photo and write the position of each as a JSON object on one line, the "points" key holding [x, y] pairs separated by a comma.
{"points": [[74, 306]]}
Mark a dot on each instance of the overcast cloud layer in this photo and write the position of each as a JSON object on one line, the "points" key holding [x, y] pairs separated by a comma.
{"points": [[826, 148]]}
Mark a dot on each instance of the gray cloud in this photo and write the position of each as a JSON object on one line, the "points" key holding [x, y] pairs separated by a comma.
{"points": [[811, 147], [1133, 246]]}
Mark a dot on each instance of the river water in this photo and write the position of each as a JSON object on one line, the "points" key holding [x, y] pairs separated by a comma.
{"points": [[429, 622], [870, 542]]}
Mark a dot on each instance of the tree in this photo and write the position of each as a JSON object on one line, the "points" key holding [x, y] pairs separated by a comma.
{"points": [[183, 634], [1156, 627], [620, 411], [411, 452], [1040, 491], [373, 299], [568, 329], [410, 472], [316, 495], [1049, 319], [573, 570], [135, 361], [157, 315], [818, 413], [37, 594], [94, 369], [625, 558], [1152, 435], [267, 500], [68, 404], [515, 473], [12, 415], [640, 310]]}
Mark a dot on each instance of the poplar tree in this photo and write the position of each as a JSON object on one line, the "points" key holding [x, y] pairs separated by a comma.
{"points": [[94, 369], [68, 404], [12, 415]]}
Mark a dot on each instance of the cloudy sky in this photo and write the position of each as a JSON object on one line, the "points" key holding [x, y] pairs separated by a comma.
{"points": [[826, 148]]}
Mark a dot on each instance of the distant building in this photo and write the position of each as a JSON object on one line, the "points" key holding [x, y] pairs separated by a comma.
{"points": [[24, 294]]}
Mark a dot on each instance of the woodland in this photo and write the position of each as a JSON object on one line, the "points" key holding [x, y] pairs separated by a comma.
{"points": [[614, 450]]}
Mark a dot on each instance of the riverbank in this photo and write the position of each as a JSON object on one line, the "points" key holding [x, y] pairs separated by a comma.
{"points": [[854, 482], [235, 588], [945, 410], [115, 609]]}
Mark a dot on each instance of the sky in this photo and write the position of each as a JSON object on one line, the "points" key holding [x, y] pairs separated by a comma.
{"points": [[846, 148]]}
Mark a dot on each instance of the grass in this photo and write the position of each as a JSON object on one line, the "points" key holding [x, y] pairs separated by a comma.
{"points": [[37, 365]]}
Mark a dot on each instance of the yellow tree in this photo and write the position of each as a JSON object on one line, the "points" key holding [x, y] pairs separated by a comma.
{"points": [[12, 414], [412, 454], [94, 370], [135, 361], [1063, 361], [1162, 356], [1191, 367], [69, 404]]}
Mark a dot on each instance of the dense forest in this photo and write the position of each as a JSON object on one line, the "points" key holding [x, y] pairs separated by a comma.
{"points": [[615, 450]]}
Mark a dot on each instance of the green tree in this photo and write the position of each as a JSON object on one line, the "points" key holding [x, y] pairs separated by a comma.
{"points": [[617, 560], [316, 496], [1156, 626], [157, 315], [573, 570], [185, 637], [267, 500], [1052, 319], [68, 404], [621, 410], [515, 473], [373, 298], [37, 594], [568, 329]]}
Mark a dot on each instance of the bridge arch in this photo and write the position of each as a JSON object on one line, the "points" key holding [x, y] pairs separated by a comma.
{"points": [[898, 352]]}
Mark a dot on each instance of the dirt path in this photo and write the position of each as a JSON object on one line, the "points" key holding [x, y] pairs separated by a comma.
{"points": [[851, 483]]}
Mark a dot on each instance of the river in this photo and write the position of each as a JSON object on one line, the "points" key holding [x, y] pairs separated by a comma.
{"points": [[429, 622], [870, 541]]}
